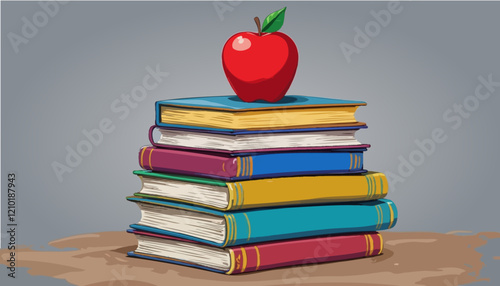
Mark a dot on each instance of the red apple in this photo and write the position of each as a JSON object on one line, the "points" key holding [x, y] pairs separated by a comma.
{"points": [[260, 66]]}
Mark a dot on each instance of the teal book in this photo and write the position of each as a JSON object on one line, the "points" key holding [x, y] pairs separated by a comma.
{"points": [[224, 229], [230, 114]]}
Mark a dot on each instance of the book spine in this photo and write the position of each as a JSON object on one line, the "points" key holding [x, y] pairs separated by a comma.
{"points": [[306, 221], [175, 161], [150, 136], [297, 163], [304, 251], [290, 190]]}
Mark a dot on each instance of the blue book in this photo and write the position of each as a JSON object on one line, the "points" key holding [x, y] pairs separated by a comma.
{"points": [[230, 114], [244, 166], [223, 229]]}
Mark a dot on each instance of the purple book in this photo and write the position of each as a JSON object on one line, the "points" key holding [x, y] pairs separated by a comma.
{"points": [[285, 140]]}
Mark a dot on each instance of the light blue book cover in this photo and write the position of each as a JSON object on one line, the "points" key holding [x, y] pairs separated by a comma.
{"points": [[233, 103], [258, 225]]}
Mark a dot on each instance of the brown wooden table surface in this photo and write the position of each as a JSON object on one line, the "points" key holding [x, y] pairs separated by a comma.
{"points": [[409, 258]]}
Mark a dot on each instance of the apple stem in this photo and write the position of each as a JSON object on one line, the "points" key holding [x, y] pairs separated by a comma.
{"points": [[257, 22]]}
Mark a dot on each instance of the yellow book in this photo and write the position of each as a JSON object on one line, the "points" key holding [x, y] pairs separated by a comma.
{"points": [[286, 191], [230, 113]]}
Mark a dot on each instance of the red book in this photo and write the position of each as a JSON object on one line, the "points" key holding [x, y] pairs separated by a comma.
{"points": [[254, 257]]}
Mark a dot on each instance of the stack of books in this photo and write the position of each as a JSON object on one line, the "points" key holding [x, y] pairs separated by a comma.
{"points": [[236, 187]]}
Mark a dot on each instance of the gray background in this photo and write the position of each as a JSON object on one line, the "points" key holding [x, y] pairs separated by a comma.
{"points": [[64, 80]]}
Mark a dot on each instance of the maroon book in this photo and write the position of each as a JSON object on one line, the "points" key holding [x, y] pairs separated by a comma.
{"points": [[260, 256], [244, 166]]}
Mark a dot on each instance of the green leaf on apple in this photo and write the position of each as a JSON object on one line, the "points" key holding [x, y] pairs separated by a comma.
{"points": [[274, 21]]}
